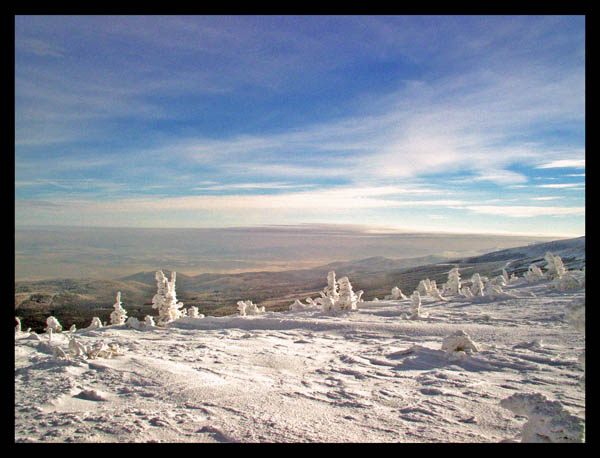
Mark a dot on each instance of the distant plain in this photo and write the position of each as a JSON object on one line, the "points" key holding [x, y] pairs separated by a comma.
{"points": [[45, 253]]}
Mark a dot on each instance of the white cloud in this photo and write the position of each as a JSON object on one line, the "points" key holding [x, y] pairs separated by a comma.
{"points": [[562, 185], [574, 163], [525, 211]]}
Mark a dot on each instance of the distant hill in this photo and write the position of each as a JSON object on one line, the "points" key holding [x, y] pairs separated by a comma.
{"points": [[77, 300]]}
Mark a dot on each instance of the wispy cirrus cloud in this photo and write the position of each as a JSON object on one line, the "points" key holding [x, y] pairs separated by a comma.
{"points": [[523, 211], [564, 163]]}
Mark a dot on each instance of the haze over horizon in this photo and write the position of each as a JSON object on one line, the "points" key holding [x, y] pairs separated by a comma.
{"points": [[416, 123], [109, 253]]}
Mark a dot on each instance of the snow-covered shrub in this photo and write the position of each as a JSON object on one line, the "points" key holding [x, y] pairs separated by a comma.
{"points": [[337, 295], [193, 313], [435, 293], [458, 346], [103, 350], [477, 288], [547, 421], [567, 281], [554, 267], [332, 288], [466, 292], [453, 284], [52, 324], [493, 290], [415, 306], [248, 308], [149, 321], [534, 274], [77, 348], [18, 326], [424, 287], [508, 279], [119, 315], [73, 328], [396, 294], [330, 294], [95, 324], [165, 299], [133, 322], [347, 299], [298, 305]]}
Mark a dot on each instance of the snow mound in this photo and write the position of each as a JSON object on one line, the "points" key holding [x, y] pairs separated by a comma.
{"points": [[547, 421]]}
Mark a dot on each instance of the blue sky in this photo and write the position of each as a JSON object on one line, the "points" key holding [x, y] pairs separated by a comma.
{"points": [[448, 123]]}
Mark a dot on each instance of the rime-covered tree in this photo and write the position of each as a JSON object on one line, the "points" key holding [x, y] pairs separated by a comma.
{"points": [[554, 267], [52, 324], [165, 299], [396, 294], [193, 312], [534, 274], [119, 315], [415, 303], [95, 324], [149, 321], [424, 287], [453, 285], [248, 308], [347, 299], [477, 287]]}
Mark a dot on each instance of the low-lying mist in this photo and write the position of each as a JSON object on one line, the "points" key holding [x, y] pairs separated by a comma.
{"points": [[77, 252]]}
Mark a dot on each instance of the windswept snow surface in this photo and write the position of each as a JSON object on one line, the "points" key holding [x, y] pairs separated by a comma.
{"points": [[366, 375]]}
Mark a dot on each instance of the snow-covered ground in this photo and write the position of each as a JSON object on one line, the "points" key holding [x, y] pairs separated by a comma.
{"points": [[366, 375]]}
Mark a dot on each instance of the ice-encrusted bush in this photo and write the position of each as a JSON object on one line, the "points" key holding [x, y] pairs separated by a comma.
{"points": [[337, 295], [458, 346], [435, 293], [119, 315], [53, 325], [554, 267], [298, 305], [133, 322], [477, 287], [415, 306], [165, 299], [568, 281], [347, 300], [149, 321], [466, 292], [103, 350], [493, 290], [396, 294], [453, 284], [533, 274], [508, 279], [424, 287], [95, 324], [248, 308], [547, 421], [77, 348], [193, 313]]}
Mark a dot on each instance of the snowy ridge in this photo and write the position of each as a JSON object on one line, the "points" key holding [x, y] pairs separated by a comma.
{"points": [[373, 373], [432, 367]]}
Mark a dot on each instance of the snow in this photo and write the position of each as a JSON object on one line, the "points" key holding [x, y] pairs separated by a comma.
{"points": [[307, 376], [507, 369]]}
